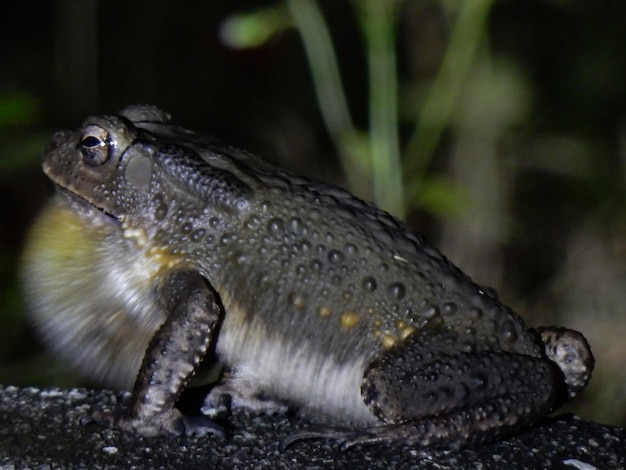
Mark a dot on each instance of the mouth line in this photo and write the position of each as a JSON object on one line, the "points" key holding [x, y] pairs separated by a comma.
{"points": [[81, 203]]}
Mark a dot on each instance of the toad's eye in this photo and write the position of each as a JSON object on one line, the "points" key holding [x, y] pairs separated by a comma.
{"points": [[95, 145]]}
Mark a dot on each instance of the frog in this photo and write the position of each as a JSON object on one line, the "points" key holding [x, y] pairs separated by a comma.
{"points": [[164, 250]]}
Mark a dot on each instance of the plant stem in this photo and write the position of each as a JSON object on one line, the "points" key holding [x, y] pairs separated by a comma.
{"points": [[331, 97], [318, 45], [379, 20], [436, 110]]}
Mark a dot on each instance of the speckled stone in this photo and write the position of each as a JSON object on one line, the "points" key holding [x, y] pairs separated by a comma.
{"points": [[42, 429]]}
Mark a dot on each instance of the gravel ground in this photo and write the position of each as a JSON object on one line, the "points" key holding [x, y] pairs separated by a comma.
{"points": [[41, 429]]}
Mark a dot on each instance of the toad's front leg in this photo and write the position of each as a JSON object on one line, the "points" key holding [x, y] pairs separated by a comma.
{"points": [[192, 314]]}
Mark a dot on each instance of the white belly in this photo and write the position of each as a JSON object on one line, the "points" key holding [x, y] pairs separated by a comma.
{"points": [[315, 382]]}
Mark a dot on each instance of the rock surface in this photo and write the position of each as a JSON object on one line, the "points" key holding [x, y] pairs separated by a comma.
{"points": [[42, 429]]}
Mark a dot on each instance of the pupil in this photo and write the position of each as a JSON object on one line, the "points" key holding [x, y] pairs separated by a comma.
{"points": [[91, 142]]}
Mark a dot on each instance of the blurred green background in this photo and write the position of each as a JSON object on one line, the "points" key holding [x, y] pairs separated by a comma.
{"points": [[495, 128]]}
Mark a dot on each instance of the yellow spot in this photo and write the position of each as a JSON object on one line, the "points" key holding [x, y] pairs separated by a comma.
{"points": [[348, 319], [404, 329], [324, 312], [162, 257], [139, 235], [388, 341], [406, 332]]}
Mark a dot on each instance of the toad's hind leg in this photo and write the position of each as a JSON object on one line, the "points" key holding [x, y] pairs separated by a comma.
{"points": [[426, 395]]}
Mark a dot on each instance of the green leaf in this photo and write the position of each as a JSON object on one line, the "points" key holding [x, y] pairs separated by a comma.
{"points": [[441, 196], [250, 30], [18, 109]]}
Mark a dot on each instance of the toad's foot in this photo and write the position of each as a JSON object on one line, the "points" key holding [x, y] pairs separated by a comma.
{"points": [[172, 423], [571, 352], [238, 394]]}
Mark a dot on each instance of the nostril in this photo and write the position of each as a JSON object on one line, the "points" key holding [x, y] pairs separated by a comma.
{"points": [[57, 139]]}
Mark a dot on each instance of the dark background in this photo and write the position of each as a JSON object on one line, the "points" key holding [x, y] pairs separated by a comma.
{"points": [[523, 187]]}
